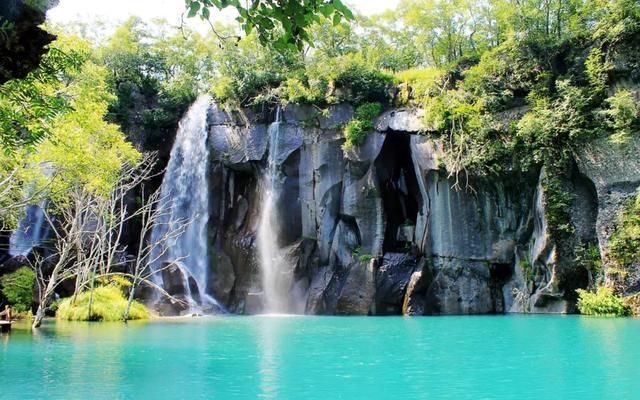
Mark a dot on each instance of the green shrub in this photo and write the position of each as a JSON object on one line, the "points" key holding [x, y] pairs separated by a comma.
{"points": [[624, 247], [621, 116], [588, 257], [603, 303], [362, 83], [108, 304], [527, 270], [423, 82], [355, 132], [18, 288]]}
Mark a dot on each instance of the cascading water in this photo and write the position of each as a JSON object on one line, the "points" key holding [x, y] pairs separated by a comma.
{"points": [[185, 197], [31, 231], [276, 282]]}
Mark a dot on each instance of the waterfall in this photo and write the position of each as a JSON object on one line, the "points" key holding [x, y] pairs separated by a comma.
{"points": [[185, 196], [31, 230], [276, 283]]}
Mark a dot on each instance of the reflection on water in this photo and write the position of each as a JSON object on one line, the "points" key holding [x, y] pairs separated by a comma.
{"points": [[275, 357], [268, 342]]}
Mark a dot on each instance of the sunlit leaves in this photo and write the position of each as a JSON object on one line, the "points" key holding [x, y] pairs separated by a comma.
{"points": [[283, 25]]}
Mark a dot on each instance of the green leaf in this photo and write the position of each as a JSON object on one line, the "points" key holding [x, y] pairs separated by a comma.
{"points": [[193, 9]]}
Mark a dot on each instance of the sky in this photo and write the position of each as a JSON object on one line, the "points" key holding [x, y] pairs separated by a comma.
{"points": [[119, 10]]}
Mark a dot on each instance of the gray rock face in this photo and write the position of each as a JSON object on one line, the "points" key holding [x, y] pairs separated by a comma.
{"points": [[392, 278], [25, 42], [401, 120], [414, 299], [382, 228], [614, 170], [358, 291], [462, 287]]}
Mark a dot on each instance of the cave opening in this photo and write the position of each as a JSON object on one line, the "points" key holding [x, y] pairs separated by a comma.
{"points": [[400, 192]]}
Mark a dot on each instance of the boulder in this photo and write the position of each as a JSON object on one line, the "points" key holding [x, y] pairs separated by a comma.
{"points": [[173, 279], [414, 299], [392, 278], [401, 119], [13, 264], [462, 287], [357, 294], [222, 277]]}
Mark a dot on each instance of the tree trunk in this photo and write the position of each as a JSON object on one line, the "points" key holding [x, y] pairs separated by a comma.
{"points": [[44, 303], [130, 300], [46, 297], [91, 289]]}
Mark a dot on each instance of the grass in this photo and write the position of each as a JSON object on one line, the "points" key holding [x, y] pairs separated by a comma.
{"points": [[109, 304]]}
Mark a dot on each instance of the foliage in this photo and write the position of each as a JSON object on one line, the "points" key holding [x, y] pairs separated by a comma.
{"points": [[18, 287], [281, 24], [622, 116], [76, 147], [361, 83], [588, 257], [355, 131], [28, 106], [155, 74], [83, 148], [527, 270], [419, 83], [624, 246], [602, 303], [247, 72], [108, 304], [364, 258]]}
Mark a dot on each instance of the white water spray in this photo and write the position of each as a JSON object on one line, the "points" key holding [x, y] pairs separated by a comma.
{"points": [[276, 282], [185, 194], [31, 231]]}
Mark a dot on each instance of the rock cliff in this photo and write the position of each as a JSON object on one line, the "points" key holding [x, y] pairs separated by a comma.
{"points": [[383, 229]]}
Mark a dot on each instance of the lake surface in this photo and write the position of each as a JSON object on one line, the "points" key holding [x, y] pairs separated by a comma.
{"points": [[519, 357]]}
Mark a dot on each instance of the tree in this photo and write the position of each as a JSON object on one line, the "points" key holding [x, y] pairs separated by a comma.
{"points": [[28, 106], [283, 24], [150, 249]]}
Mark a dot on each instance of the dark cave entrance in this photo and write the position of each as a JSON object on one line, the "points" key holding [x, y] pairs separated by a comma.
{"points": [[399, 191]]}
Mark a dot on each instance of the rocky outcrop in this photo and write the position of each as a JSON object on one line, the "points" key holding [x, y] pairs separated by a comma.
{"points": [[614, 170], [382, 228], [23, 40]]}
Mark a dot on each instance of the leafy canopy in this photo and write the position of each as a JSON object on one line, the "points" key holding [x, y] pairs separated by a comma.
{"points": [[282, 24]]}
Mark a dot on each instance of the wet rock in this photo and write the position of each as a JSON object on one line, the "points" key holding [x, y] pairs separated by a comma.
{"points": [[392, 278], [170, 307], [405, 233], [461, 287], [235, 145], [321, 279], [357, 294], [254, 302], [222, 277], [13, 264], [414, 299], [173, 279]]}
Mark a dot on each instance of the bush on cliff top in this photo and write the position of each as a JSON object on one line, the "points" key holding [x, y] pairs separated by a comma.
{"points": [[109, 304]]}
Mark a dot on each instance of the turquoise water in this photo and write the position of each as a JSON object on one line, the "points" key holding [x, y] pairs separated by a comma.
{"points": [[519, 357]]}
